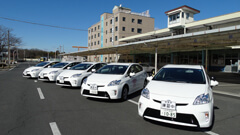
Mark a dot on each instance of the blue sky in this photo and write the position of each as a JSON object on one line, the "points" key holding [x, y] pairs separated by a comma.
{"points": [[81, 14]]}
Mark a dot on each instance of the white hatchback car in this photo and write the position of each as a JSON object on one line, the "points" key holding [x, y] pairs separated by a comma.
{"points": [[115, 81], [179, 94], [34, 71], [76, 74], [51, 73]]}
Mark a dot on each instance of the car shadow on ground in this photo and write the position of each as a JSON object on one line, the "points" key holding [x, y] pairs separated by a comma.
{"points": [[70, 88]]}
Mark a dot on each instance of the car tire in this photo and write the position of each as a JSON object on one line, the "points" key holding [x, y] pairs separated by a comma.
{"points": [[124, 93]]}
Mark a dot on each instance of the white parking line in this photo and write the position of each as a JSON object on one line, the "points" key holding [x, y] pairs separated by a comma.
{"points": [[208, 132], [35, 80], [211, 133], [54, 128], [226, 93], [134, 102], [40, 93]]}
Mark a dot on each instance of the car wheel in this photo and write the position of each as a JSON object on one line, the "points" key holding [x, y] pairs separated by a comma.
{"points": [[124, 93]]}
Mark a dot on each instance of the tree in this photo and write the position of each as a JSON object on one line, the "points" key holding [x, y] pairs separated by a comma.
{"points": [[13, 40]]}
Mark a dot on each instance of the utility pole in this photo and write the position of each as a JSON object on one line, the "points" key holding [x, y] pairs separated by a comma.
{"points": [[8, 50]]}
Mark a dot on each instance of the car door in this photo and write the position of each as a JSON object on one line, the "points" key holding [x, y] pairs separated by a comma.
{"points": [[132, 82], [141, 76]]}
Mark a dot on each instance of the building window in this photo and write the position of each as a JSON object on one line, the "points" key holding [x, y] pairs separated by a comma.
{"points": [[95, 29], [98, 26], [139, 30], [92, 30], [123, 28], [106, 23], [89, 38], [187, 15], [94, 43], [116, 38], [139, 21], [116, 19], [98, 42], [111, 39], [106, 31], [98, 34], [182, 14], [132, 29], [111, 30], [94, 35], [174, 18], [116, 28], [133, 20], [111, 21], [124, 19]]}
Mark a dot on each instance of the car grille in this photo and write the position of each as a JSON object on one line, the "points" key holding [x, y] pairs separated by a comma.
{"points": [[177, 104], [100, 93], [184, 118], [65, 82]]}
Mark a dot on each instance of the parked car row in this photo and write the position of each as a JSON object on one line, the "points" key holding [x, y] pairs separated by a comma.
{"points": [[177, 94]]}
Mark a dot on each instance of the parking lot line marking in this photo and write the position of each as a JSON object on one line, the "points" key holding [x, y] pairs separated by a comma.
{"points": [[226, 93], [211, 133], [134, 102], [54, 128], [35, 80], [40, 93]]}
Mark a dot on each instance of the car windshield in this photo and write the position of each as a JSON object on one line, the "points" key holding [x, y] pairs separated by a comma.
{"points": [[113, 69], [59, 65], [41, 64], [82, 66], [181, 75]]}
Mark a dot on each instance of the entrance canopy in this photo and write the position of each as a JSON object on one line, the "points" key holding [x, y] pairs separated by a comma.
{"points": [[220, 38]]}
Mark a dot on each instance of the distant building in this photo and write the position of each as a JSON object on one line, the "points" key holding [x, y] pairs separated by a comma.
{"points": [[121, 23]]}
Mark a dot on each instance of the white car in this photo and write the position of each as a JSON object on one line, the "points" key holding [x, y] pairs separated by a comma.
{"points": [[33, 72], [76, 74], [179, 94], [51, 73], [114, 81]]}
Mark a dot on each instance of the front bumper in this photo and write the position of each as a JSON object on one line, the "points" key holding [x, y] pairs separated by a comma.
{"points": [[103, 92], [70, 82], [30, 74], [187, 114], [47, 77]]}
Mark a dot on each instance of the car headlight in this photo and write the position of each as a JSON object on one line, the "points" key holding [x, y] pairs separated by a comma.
{"points": [[202, 99], [115, 82], [145, 93], [85, 81], [76, 75], [53, 72], [34, 70]]}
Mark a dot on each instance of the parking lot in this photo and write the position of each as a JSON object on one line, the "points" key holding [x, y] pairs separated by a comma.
{"points": [[32, 107]]}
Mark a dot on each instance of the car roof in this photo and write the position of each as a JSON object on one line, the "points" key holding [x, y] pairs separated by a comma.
{"points": [[91, 62], [183, 66], [126, 64]]}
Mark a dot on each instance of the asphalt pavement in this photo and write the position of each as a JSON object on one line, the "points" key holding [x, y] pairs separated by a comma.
{"points": [[32, 107]]}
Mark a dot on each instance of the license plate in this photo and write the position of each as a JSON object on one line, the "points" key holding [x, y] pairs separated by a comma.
{"points": [[168, 113], [168, 109], [93, 89]]}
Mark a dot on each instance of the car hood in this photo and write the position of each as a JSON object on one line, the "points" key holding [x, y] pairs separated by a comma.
{"points": [[31, 68], [48, 70], [175, 90], [102, 79], [69, 73]]}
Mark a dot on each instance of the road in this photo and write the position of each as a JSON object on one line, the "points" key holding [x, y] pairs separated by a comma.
{"points": [[32, 107]]}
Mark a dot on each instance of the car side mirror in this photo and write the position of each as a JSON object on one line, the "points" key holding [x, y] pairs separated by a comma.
{"points": [[132, 74], [93, 70], [149, 78], [213, 83], [48, 66]]}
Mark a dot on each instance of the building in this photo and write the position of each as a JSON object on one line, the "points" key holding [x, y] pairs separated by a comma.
{"points": [[212, 42], [121, 23]]}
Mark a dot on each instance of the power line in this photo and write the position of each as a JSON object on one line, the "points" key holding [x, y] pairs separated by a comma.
{"points": [[46, 25]]}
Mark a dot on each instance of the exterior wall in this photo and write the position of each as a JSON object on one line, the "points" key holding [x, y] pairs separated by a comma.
{"points": [[114, 31]]}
